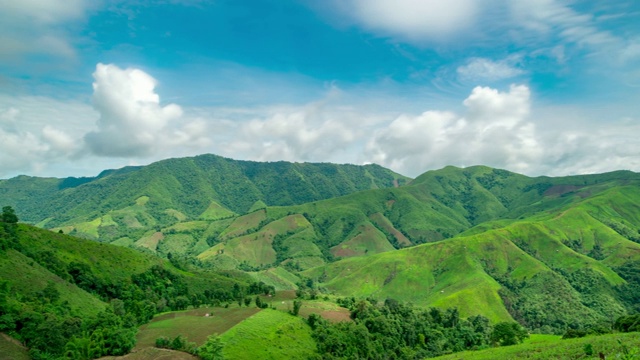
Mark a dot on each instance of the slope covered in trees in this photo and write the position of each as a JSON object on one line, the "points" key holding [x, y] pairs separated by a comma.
{"points": [[187, 187], [64, 296]]}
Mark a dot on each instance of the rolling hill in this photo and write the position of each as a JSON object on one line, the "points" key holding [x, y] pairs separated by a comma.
{"points": [[58, 292], [551, 253]]}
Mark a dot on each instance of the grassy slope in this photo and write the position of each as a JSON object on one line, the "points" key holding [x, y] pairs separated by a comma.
{"points": [[110, 263], [193, 324], [11, 349], [462, 271], [545, 347], [269, 334], [27, 278], [107, 261]]}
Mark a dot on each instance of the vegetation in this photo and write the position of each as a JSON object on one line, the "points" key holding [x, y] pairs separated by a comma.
{"points": [[85, 299], [269, 334], [505, 254], [398, 331], [544, 347]]}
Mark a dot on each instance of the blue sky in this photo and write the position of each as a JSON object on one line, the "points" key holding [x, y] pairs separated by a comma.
{"points": [[538, 87]]}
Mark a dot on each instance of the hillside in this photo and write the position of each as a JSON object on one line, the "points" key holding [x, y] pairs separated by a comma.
{"points": [[58, 292], [486, 241], [189, 185], [209, 187], [562, 267]]}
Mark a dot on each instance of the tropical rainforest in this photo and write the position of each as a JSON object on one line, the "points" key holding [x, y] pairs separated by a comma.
{"points": [[350, 261]]}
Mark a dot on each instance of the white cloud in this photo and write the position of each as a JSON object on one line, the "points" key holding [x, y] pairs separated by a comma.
{"points": [[132, 121], [22, 150], [43, 11], [314, 132], [414, 19], [494, 132], [36, 27], [481, 69]]}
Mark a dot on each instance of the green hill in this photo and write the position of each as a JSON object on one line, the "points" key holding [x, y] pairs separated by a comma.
{"points": [[558, 268], [129, 201], [59, 292], [550, 253]]}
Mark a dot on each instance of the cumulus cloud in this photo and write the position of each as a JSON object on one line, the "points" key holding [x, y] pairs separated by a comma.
{"points": [[132, 121], [314, 132], [28, 150], [494, 131]]}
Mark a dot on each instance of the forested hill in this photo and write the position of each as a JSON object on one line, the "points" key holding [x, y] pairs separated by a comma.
{"points": [[188, 187], [61, 295]]}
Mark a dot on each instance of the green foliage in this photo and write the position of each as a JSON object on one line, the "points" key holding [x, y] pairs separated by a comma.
{"points": [[179, 343], [8, 215], [508, 333], [543, 347], [297, 304], [394, 330], [212, 349], [269, 334], [67, 314], [628, 323]]}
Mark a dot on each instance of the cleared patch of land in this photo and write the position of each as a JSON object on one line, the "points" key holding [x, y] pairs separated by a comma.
{"points": [[153, 354], [192, 324]]}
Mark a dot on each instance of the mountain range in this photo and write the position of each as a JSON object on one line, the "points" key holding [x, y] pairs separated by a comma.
{"points": [[548, 252]]}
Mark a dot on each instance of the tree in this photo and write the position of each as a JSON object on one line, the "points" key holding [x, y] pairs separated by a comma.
{"points": [[297, 304], [211, 349], [508, 333], [8, 215]]}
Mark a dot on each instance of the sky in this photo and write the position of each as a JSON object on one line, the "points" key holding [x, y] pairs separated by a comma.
{"points": [[539, 87]]}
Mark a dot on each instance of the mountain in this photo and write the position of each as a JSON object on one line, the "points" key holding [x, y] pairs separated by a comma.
{"points": [[201, 187], [549, 252]]}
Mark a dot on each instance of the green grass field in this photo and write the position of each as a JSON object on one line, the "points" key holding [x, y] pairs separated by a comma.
{"points": [[269, 334], [10, 349], [545, 347], [193, 324]]}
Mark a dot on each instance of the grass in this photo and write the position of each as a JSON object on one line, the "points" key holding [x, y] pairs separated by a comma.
{"points": [[175, 244], [150, 240], [326, 308], [241, 225], [277, 277], [367, 240], [464, 271], [269, 334], [27, 277], [546, 348], [215, 211], [11, 349], [193, 324]]}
